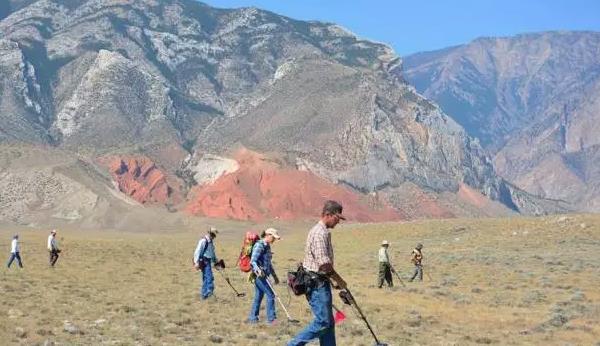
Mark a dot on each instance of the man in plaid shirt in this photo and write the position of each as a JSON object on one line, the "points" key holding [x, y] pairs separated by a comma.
{"points": [[318, 260]]}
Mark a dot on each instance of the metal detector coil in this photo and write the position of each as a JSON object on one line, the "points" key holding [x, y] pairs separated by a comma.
{"points": [[348, 298]]}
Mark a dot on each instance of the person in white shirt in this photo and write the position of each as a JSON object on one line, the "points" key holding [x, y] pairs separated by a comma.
{"points": [[53, 249], [204, 256], [385, 268], [14, 252]]}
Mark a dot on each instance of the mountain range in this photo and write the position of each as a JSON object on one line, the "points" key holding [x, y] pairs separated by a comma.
{"points": [[109, 107], [532, 100]]}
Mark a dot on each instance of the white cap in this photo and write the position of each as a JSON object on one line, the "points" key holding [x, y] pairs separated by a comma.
{"points": [[53, 231], [273, 232], [385, 242]]}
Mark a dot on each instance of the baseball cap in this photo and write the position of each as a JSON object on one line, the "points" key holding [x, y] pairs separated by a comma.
{"points": [[333, 208], [273, 232]]}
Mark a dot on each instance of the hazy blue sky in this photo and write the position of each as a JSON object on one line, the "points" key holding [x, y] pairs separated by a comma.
{"points": [[412, 26]]}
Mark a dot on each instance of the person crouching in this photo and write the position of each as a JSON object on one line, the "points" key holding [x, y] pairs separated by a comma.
{"points": [[262, 267]]}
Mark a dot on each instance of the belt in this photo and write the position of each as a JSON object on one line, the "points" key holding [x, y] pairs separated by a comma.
{"points": [[318, 279]]}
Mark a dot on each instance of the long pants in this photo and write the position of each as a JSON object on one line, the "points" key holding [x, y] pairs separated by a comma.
{"points": [[418, 272], [385, 273], [322, 326], [261, 288], [208, 281], [53, 257], [14, 255]]}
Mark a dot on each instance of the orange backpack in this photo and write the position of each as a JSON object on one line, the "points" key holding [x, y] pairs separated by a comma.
{"points": [[246, 251]]}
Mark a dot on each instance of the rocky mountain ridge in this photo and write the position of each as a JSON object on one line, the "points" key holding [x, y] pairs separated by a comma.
{"points": [[186, 86], [532, 100]]}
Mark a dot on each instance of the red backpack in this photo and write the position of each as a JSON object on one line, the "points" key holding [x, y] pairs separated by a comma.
{"points": [[246, 251]]}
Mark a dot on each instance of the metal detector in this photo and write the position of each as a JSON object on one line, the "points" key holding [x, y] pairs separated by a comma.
{"points": [[348, 298], [289, 318], [397, 275], [427, 273], [242, 294]]}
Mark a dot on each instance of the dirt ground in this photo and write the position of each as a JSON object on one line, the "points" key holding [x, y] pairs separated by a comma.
{"points": [[512, 281]]}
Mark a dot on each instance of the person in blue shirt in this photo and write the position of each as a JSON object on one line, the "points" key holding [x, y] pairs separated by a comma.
{"points": [[204, 257], [262, 267]]}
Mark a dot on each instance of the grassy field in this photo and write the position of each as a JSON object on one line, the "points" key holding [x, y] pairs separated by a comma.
{"points": [[521, 281]]}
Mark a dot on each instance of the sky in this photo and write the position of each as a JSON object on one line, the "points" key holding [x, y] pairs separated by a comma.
{"points": [[415, 26]]}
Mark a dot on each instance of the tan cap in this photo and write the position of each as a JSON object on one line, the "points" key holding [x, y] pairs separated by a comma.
{"points": [[213, 230], [273, 232], [53, 231], [385, 242]]}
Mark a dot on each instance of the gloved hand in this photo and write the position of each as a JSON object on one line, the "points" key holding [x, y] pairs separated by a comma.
{"points": [[275, 279], [260, 273], [220, 264], [339, 284]]}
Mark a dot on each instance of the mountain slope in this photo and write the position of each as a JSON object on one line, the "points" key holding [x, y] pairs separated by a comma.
{"points": [[176, 82], [532, 100]]}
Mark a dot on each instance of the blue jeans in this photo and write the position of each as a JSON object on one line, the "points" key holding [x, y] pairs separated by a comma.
{"points": [[261, 288], [322, 326], [208, 281], [418, 272], [12, 258]]}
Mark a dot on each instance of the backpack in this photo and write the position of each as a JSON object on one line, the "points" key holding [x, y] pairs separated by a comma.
{"points": [[299, 281], [201, 263], [416, 256], [246, 251]]}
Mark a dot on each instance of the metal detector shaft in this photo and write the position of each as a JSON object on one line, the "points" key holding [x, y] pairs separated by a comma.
{"points": [[290, 319], [362, 316], [398, 276], [427, 273], [230, 285]]}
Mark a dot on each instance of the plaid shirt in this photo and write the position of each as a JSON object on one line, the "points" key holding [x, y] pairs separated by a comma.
{"points": [[318, 250]]}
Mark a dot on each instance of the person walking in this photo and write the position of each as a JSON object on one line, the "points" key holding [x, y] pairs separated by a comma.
{"points": [[385, 268], [53, 249], [204, 258], [318, 262], [14, 252], [262, 268], [416, 259]]}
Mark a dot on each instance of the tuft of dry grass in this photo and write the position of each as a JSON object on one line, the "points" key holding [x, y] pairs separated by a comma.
{"points": [[495, 281]]}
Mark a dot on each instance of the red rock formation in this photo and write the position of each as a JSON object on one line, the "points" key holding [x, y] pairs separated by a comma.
{"points": [[139, 178], [472, 196], [261, 189], [428, 206]]}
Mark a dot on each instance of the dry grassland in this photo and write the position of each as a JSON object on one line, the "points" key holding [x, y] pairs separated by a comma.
{"points": [[517, 281]]}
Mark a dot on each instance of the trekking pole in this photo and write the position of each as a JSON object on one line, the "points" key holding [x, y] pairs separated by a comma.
{"points": [[239, 294], [398, 276], [290, 319], [427, 273], [348, 298]]}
